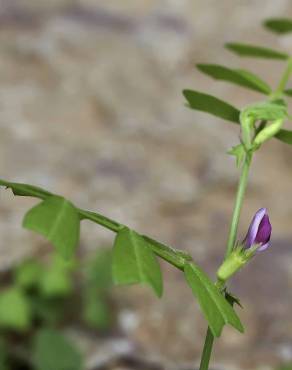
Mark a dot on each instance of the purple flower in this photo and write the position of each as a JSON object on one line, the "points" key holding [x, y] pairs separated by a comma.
{"points": [[259, 232]]}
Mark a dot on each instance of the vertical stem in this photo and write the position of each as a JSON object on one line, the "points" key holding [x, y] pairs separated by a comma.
{"points": [[238, 204], [207, 350], [208, 345], [284, 80]]}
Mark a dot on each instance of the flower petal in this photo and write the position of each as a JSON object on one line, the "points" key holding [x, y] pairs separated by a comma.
{"points": [[263, 247], [254, 227], [264, 231]]}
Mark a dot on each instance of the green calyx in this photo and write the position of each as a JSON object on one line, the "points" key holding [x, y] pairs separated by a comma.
{"points": [[239, 257]]}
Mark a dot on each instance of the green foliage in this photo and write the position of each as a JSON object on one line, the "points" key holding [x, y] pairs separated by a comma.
{"points": [[55, 282], [216, 309], [52, 351], [134, 262], [96, 312], [98, 280], [210, 104], [264, 111], [3, 355], [279, 25], [239, 152], [236, 76], [285, 136], [288, 92], [216, 107], [48, 311], [39, 296], [28, 274], [246, 50], [58, 220], [15, 310], [98, 270], [285, 367]]}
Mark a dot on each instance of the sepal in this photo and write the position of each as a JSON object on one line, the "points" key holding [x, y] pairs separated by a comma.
{"points": [[239, 257]]}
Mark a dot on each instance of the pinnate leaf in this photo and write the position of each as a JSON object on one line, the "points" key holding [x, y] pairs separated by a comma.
{"points": [[246, 50], [236, 76], [134, 262], [279, 25], [58, 220], [212, 105], [215, 307]]}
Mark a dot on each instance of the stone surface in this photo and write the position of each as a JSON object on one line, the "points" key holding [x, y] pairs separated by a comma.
{"points": [[91, 108]]}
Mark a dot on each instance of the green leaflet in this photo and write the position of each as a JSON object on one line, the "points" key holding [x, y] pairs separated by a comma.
{"points": [[236, 76], [210, 104], [52, 351], [15, 310], [288, 92], [279, 25], [58, 220], [134, 262], [285, 136], [96, 310], [216, 309], [28, 274], [55, 282], [246, 50]]}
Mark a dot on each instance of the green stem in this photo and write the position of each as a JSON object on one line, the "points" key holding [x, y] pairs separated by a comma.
{"points": [[209, 340], [238, 204], [283, 82], [207, 350]]}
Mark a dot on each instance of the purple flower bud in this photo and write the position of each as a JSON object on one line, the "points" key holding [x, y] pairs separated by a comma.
{"points": [[259, 232]]}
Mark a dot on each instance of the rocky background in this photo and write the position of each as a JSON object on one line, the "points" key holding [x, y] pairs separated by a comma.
{"points": [[91, 108]]}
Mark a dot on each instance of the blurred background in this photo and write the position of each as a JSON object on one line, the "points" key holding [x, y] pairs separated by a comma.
{"points": [[91, 108]]}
